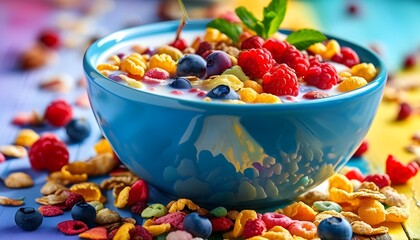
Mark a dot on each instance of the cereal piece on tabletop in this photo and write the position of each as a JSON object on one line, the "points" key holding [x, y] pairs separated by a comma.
{"points": [[5, 201], [59, 83], [26, 137], [53, 199], [18, 180], [362, 228], [341, 182], [107, 216], [364, 70], [393, 198], [396, 214], [37, 56], [51, 187], [372, 211], [13, 151], [28, 118]]}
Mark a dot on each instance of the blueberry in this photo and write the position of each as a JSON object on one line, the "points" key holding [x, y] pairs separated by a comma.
{"points": [[181, 83], [197, 225], [335, 228], [78, 129], [28, 218], [84, 212], [191, 65], [223, 92], [217, 62]]}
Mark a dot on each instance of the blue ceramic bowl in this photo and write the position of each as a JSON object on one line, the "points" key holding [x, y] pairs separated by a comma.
{"points": [[227, 154]]}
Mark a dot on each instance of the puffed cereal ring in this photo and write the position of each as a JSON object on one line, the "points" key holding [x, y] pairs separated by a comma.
{"points": [[267, 98], [247, 95], [362, 228], [396, 214], [26, 137], [303, 229], [240, 221], [341, 182], [163, 61], [154, 210], [364, 70], [90, 191], [135, 64], [254, 85], [276, 219], [371, 211], [299, 211], [228, 79], [123, 232], [351, 83], [332, 48], [321, 206]]}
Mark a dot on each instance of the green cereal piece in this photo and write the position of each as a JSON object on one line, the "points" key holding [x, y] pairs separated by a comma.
{"points": [[97, 205], [321, 206], [219, 212], [237, 71], [154, 210], [161, 236]]}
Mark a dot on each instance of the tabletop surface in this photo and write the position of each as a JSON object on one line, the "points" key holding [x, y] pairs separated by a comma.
{"points": [[21, 21]]}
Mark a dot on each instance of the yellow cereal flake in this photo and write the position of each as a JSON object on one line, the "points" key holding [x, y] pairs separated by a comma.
{"points": [[332, 48], [26, 137], [344, 74], [228, 79], [324, 215], [73, 177], [114, 60], [340, 196], [396, 214], [371, 211], [5, 201], [107, 66], [163, 61], [122, 198], [157, 230], [267, 98], [364, 70], [214, 35], [181, 204], [341, 182], [131, 81], [175, 53], [351, 83], [254, 85], [90, 191], [123, 232], [135, 64], [240, 221], [300, 211], [80, 167], [247, 95], [317, 48], [103, 146]]}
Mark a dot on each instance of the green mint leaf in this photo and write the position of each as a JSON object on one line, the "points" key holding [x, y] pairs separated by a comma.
{"points": [[247, 18], [230, 29], [274, 15], [304, 38]]}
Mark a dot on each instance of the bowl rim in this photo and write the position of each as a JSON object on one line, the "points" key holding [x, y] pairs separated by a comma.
{"points": [[94, 52]]}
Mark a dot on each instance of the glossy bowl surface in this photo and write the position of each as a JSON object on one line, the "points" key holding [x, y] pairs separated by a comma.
{"points": [[227, 154]]}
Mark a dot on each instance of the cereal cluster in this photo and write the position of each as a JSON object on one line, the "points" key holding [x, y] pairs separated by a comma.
{"points": [[253, 70]]}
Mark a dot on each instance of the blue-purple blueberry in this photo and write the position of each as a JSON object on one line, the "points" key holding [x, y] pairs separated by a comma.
{"points": [[84, 212], [28, 218], [191, 65], [181, 83], [198, 226], [223, 92], [78, 129], [217, 62], [335, 228]]}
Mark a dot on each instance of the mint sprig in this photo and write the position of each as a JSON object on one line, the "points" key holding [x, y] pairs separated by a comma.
{"points": [[273, 16]]}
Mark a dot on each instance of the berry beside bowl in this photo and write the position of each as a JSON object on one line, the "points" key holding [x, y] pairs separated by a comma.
{"points": [[235, 155]]}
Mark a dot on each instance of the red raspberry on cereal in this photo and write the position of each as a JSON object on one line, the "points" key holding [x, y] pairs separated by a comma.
{"points": [[50, 38], [347, 57], [323, 77], [255, 62], [296, 60], [380, 180], [50, 211], [72, 199], [155, 76], [281, 80], [276, 48], [48, 153], [221, 224], [252, 42], [139, 232], [138, 207], [253, 227], [72, 227], [58, 113], [176, 219]]}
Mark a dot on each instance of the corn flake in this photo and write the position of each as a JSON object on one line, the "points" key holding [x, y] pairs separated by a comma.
{"points": [[90, 191], [371, 211], [341, 182], [5, 201], [122, 198], [396, 214], [123, 232], [300, 211], [362, 228]]}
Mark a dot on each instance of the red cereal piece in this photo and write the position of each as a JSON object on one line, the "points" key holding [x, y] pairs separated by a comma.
{"points": [[138, 207], [27, 118], [398, 172], [179, 43], [221, 224], [255, 62], [410, 61], [252, 42], [95, 233], [281, 80], [347, 57], [323, 77], [50, 38], [315, 95], [72, 227], [361, 149], [381, 180], [272, 219], [139, 192], [50, 211], [72, 199], [48, 153], [58, 113], [112, 233], [2, 158], [176, 219], [139, 232], [253, 227], [356, 174], [404, 112], [155, 76]]}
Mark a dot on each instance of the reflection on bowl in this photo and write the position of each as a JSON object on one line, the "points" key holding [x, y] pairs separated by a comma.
{"points": [[227, 154]]}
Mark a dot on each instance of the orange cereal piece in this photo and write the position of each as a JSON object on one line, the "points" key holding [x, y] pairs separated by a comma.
{"points": [[107, 66], [341, 182], [332, 48], [123, 232], [135, 64], [90, 191], [157, 230], [351, 83], [371, 211], [271, 235], [300, 211], [227, 79], [304, 229], [175, 53], [80, 167], [396, 214], [122, 198], [103, 146], [180, 205], [341, 196], [163, 61], [254, 85], [214, 35], [95, 233], [247, 95], [267, 98], [73, 178], [364, 70], [26, 137], [240, 221]]}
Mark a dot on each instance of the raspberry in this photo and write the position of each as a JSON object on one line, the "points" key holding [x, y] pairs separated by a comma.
{"points": [[323, 77], [398, 172], [72, 199], [276, 48], [281, 80], [254, 227], [176, 219], [203, 47], [50, 38], [221, 224], [347, 57], [155, 76], [50, 211], [315, 95], [381, 180], [72, 227], [255, 62], [138, 207], [139, 232], [58, 113], [252, 42], [361, 149], [180, 44], [139, 192], [296, 60], [404, 112], [48, 153], [355, 174]]}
